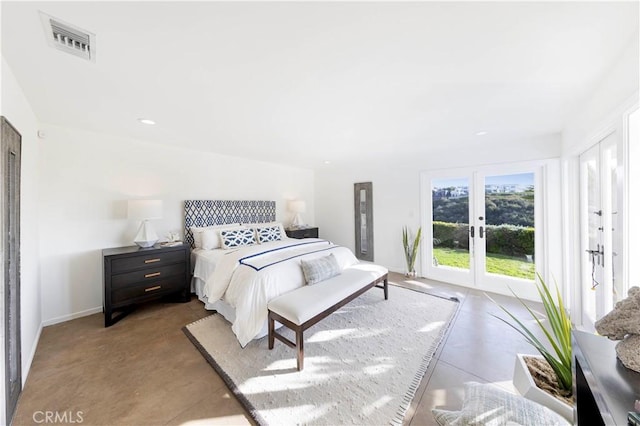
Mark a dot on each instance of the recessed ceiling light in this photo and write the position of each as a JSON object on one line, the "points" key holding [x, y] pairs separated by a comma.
{"points": [[327, 162], [146, 121], [481, 133]]}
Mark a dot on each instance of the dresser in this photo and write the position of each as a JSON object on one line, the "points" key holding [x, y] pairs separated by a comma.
{"points": [[605, 390], [302, 233], [134, 275]]}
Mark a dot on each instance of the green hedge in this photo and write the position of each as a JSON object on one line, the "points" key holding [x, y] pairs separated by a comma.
{"points": [[452, 235], [509, 240]]}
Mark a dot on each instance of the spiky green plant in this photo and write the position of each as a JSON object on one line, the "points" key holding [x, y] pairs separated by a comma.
{"points": [[411, 248], [558, 332]]}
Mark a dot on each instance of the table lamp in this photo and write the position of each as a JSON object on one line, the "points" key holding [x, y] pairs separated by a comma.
{"points": [[144, 211], [297, 207]]}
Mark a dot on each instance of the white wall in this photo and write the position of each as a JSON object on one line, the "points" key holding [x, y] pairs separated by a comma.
{"points": [[86, 180], [18, 112], [604, 107], [396, 194]]}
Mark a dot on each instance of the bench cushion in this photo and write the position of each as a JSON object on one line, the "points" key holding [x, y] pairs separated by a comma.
{"points": [[304, 303]]}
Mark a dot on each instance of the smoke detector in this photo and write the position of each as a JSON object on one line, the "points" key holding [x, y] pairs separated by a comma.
{"points": [[69, 38]]}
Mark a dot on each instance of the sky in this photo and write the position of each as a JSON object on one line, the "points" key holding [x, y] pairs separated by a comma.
{"points": [[515, 179]]}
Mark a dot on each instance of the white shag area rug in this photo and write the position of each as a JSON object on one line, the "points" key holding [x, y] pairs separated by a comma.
{"points": [[363, 363]]}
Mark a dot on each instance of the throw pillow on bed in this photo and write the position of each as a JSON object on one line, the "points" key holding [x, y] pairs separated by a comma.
{"points": [[233, 238], [256, 226], [268, 233], [320, 269]]}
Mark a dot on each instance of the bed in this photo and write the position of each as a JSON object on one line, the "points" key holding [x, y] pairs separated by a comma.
{"points": [[237, 276]]}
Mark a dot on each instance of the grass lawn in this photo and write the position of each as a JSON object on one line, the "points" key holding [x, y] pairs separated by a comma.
{"points": [[496, 263]]}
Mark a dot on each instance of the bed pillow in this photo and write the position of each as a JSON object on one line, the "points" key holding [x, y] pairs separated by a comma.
{"points": [[232, 238], [208, 237], [197, 236], [489, 405], [268, 233], [320, 269], [283, 235]]}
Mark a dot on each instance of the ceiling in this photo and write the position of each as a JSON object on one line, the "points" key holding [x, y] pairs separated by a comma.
{"points": [[305, 83]]}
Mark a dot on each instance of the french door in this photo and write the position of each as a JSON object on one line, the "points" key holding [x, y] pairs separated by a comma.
{"points": [[601, 230], [482, 227]]}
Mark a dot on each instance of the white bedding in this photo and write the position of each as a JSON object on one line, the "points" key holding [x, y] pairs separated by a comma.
{"points": [[248, 277], [204, 262]]}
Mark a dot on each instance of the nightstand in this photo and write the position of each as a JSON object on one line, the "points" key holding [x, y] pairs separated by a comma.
{"points": [[302, 233], [134, 275]]}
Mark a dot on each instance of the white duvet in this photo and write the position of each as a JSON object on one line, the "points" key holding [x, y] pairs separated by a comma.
{"points": [[250, 276]]}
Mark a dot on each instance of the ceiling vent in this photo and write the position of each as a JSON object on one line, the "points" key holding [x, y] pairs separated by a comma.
{"points": [[69, 38]]}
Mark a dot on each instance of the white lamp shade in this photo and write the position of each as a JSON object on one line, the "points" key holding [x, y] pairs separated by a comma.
{"points": [[144, 209], [297, 206]]}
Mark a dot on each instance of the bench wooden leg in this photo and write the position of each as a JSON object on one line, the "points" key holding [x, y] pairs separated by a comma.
{"points": [[300, 347], [271, 331], [386, 289]]}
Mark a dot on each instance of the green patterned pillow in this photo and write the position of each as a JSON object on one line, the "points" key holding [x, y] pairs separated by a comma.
{"points": [[491, 406]]}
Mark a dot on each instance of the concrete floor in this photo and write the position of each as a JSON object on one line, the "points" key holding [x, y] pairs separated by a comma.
{"points": [[143, 370]]}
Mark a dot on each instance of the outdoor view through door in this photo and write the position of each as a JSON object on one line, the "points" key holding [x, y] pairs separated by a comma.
{"points": [[509, 224], [483, 227]]}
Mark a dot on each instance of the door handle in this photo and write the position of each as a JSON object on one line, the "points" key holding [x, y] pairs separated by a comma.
{"points": [[481, 232], [472, 231], [597, 255]]}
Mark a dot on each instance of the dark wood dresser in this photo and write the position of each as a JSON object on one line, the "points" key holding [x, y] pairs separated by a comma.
{"points": [[302, 233], [133, 275], [605, 390]]}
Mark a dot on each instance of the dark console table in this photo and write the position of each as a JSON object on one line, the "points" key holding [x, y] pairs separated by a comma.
{"points": [[605, 390]]}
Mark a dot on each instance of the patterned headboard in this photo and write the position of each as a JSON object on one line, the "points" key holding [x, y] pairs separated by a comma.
{"points": [[220, 212]]}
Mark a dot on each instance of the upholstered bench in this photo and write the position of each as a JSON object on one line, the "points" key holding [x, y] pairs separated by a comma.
{"points": [[305, 306]]}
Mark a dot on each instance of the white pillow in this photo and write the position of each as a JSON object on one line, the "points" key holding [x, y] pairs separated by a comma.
{"points": [[489, 405], [232, 238], [197, 236]]}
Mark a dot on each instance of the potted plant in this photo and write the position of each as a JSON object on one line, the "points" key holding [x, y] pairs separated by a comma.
{"points": [[411, 250], [559, 357]]}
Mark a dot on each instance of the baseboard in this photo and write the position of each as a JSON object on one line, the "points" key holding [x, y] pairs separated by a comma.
{"points": [[69, 317], [32, 355]]}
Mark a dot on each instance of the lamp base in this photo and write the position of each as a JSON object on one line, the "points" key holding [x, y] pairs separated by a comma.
{"points": [[297, 222], [146, 236]]}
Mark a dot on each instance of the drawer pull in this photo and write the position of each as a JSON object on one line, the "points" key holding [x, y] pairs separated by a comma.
{"points": [[155, 274], [153, 288], [151, 260]]}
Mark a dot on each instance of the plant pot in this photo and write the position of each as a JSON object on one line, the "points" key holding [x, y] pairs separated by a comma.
{"points": [[411, 274], [525, 384]]}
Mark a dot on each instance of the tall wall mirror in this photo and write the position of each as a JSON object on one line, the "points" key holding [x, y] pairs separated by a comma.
{"points": [[363, 203]]}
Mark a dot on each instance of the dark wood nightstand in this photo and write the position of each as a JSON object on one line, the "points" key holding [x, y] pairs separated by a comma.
{"points": [[302, 233], [604, 390], [134, 275]]}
